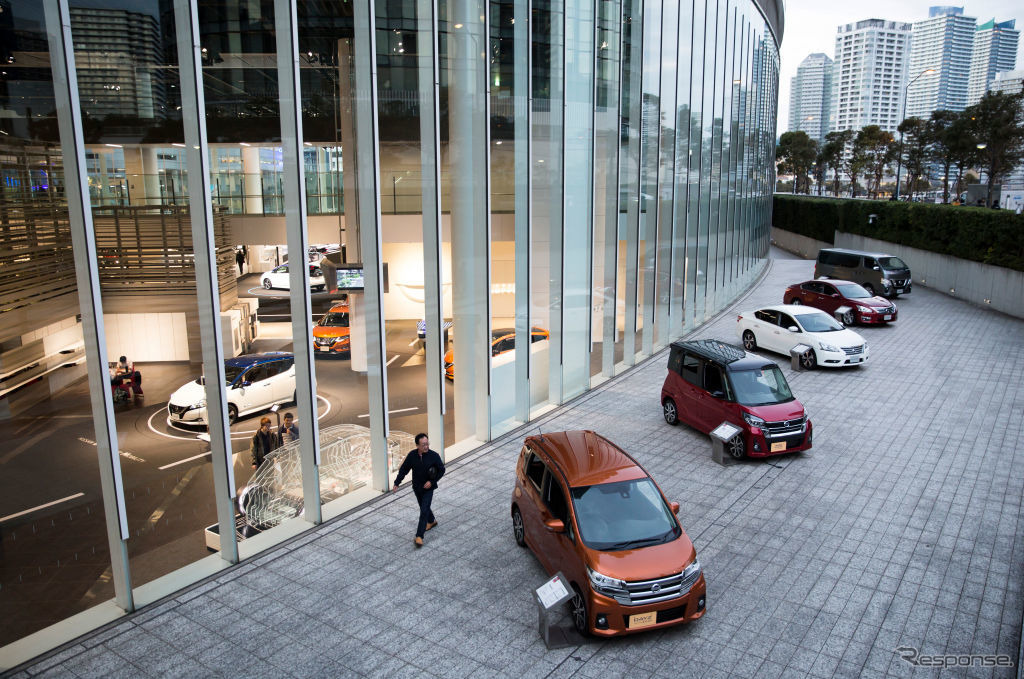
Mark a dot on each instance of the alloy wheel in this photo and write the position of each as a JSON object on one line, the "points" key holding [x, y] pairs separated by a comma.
{"points": [[749, 342], [518, 529], [808, 361], [737, 449], [670, 412]]}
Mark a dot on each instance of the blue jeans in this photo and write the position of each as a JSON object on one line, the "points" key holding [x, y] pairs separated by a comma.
{"points": [[426, 516]]}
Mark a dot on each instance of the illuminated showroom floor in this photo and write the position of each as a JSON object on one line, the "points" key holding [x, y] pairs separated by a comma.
{"points": [[901, 528]]}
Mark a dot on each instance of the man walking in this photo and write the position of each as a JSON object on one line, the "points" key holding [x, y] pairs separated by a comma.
{"points": [[263, 442], [427, 469]]}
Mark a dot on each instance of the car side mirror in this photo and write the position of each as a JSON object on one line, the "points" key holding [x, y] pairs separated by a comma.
{"points": [[674, 506], [876, 268], [718, 394], [835, 295], [555, 525], [246, 383]]}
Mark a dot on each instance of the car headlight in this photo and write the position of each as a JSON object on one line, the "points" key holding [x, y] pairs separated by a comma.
{"points": [[692, 571], [604, 584], [827, 347], [886, 282], [200, 404], [865, 310], [753, 420]]}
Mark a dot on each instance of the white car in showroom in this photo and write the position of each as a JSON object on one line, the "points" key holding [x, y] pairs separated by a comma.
{"points": [[780, 328], [254, 382], [278, 278]]}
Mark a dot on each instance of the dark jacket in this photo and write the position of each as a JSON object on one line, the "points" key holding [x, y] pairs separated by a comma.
{"points": [[259, 448], [420, 466]]}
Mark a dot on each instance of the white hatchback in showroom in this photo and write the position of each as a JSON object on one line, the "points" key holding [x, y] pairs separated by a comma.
{"points": [[780, 328], [254, 382], [279, 278]]}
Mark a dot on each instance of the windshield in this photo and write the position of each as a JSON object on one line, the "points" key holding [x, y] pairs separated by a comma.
{"points": [[760, 387], [819, 323], [231, 373], [337, 319], [853, 291], [623, 515], [892, 263]]}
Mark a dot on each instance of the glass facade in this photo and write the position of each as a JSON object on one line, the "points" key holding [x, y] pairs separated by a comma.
{"points": [[439, 216]]}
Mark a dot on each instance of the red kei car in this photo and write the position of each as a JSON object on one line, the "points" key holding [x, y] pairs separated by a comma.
{"points": [[711, 382], [829, 295]]}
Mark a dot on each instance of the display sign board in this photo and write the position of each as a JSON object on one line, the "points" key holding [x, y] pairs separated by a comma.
{"points": [[350, 277], [553, 592], [725, 431]]}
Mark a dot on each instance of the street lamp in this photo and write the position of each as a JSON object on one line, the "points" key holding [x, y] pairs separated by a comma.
{"points": [[899, 158]]}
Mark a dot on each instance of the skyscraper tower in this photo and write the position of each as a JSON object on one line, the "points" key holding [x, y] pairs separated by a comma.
{"points": [[941, 43], [810, 98], [995, 49], [869, 74]]}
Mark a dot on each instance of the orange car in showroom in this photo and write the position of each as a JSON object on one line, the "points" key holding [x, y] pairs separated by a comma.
{"points": [[588, 509], [502, 340], [331, 333]]}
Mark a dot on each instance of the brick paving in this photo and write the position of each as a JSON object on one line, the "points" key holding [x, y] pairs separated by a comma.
{"points": [[901, 528]]}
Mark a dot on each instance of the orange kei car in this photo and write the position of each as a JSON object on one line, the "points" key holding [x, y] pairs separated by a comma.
{"points": [[589, 510], [502, 340], [331, 333]]}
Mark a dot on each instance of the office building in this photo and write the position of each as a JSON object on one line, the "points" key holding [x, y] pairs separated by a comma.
{"points": [[869, 74], [810, 96], [942, 44], [995, 50]]}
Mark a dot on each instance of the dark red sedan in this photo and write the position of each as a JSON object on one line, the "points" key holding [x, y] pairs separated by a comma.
{"points": [[829, 295]]}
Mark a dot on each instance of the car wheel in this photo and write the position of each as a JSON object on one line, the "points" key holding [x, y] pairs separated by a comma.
{"points": [[518, 529], [578, 612], [749, 341], [670, 411], [266, 283], [232, 413], [795, 301], [848, 318], [737, 448], [870, 288], [808, 361]]}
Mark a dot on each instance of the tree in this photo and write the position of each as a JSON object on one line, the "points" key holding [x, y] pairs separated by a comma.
{"points": [[874, 148], [940, 143], [999, 128], [831, 155], [795, 155], [913, 149]]}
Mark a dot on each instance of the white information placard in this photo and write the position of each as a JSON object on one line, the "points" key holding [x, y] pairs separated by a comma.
{"points": [[725, 431], [552, 592]]}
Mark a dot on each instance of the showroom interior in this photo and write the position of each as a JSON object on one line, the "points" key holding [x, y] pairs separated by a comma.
{"points": [[462, 179]]}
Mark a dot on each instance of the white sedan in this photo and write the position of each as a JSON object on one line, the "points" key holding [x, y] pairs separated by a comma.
{"points": [[780, 328], [279, 278]]}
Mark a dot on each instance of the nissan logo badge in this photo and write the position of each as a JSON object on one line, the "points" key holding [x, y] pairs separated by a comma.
{"points": [[655, 588]]}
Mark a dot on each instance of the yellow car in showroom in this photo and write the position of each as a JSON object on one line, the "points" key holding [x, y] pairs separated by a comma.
{"points": [[502, 340]]}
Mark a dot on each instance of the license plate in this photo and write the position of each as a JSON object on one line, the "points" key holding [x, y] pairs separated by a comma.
{"points": [[899, 291], [776, 447], [325, 348], [887, 317], [638, 620]]}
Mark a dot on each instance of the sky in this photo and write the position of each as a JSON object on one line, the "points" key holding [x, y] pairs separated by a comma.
{"points": [[811, 27]]}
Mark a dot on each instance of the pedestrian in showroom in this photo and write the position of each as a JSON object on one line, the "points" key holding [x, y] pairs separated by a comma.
{"points": [[289, 431], [427, 469], [263, 441]]}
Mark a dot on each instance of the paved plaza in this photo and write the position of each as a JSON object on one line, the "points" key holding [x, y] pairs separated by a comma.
{"points": [[902, 527]]}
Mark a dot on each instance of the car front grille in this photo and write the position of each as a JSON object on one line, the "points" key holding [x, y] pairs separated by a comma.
{"points": [[784, 427], [661, 589], [854, 351], [324, 341], [176, 410], [901, 282]]}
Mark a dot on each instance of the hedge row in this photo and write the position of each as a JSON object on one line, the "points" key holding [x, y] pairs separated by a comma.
{"points": [[982, 235]]}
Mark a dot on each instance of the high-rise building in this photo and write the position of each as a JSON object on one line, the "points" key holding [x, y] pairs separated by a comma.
{"points": [[869, 74], [995, 50], [1010, 82], [810, 96], [941, 44]]}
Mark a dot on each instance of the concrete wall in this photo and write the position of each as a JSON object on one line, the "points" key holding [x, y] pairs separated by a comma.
{"points": [[797, 244], [982, 284]]}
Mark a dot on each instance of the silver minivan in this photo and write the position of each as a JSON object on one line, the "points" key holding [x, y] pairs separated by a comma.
{"points": [[879, 273]]}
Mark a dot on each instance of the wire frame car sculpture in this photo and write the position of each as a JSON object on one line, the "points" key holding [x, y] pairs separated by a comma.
{"points": [[274, 493]]}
